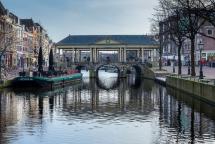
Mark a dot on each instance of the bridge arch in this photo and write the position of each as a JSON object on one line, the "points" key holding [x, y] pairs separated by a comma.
{"points": [[102, 65], [138, 69], [79, 67], [121, 68]]}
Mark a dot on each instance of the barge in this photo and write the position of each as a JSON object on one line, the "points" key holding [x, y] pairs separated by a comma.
{"points": [[46, 82]]}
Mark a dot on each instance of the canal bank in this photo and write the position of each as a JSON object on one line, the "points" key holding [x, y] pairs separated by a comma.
{"points": [[5, 84], [202, 89], [193, 85], [154, 73]]}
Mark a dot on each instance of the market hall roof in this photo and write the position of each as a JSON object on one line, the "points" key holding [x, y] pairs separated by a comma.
{"points": [[95, 39]]}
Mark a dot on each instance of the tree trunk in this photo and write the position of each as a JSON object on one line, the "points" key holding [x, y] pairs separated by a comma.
{"points": [[160, 58], [40, 60], [179, 58], [193, 73], [0, 69]]}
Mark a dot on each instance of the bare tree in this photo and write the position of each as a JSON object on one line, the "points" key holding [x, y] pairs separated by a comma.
{"points": [[169, 16], [177, 34], [156, 31], [158, 28], [191, 22], [8, 39], [183, 18]]}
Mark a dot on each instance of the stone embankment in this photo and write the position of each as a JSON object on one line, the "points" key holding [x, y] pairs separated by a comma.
{"points": [[203, 89]]}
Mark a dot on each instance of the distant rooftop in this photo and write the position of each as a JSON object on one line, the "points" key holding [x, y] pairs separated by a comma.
{"points": [[93, 39], [2, 9], [27, 22]]}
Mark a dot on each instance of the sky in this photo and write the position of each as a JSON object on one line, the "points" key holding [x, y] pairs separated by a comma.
{"points": [[86, 17]]}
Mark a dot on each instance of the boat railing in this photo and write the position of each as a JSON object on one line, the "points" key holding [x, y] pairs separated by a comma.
{"points": [[47, 73]]}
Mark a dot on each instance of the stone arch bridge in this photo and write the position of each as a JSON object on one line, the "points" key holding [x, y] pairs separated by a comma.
{"points": [[124, 51], [122, 68]]}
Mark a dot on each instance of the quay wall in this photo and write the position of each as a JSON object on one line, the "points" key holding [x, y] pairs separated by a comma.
{"points": [[200, 89], [148, 74], [5, 84]]}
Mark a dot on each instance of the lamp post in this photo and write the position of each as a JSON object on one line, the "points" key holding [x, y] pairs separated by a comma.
{"points": [[201, 46], [23, 66], [188, 65], [173, 64]]}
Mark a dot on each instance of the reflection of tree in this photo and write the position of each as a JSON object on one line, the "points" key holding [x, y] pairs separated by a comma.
{"points": [[8, 115], [86, 103], [200, 107], [40, 106], [183, 116]]}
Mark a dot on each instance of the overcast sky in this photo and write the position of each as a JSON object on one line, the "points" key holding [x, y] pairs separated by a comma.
{"points": [[86, 17]]}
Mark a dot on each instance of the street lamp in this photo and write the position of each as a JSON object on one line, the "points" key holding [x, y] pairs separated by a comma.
{"points": [[201, 46], [173, 64], [188, 65]]}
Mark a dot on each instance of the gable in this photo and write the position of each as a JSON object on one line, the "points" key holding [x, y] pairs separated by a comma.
{"points": [[107, 42]]}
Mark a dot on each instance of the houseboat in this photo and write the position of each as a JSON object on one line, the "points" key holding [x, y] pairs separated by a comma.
{"points": [[46, 80]]}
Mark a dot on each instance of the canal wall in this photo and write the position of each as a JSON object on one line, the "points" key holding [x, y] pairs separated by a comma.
{"points": [[148, 73], [153, 73], [192, 101], [198, 88], [5, 84]]}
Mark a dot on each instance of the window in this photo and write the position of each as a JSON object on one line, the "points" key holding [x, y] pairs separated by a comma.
{"points": [[204, 55], [210, 32]]}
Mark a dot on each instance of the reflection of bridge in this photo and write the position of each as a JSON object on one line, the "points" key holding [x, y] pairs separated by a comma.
{"points": [[87, 50]]}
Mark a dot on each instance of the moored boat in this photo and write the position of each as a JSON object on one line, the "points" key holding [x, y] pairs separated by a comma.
{"points": [[46, 82]]}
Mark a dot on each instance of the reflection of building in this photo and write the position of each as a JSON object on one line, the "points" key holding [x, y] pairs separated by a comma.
{"points": [[174, 116]]}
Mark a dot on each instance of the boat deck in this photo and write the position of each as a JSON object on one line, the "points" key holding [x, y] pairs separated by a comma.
{"points": [[51, 82]]}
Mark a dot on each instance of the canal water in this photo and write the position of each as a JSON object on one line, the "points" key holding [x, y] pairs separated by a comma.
{"points": [[105, 111]]}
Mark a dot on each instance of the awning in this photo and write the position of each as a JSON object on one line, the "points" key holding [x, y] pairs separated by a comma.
{"points": [[171, 57]]}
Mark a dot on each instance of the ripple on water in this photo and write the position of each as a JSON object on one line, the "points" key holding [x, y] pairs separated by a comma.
{"points": [[126, 114]]}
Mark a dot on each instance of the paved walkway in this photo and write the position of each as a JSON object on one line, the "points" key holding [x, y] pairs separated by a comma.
{"points": [[208, 72]]}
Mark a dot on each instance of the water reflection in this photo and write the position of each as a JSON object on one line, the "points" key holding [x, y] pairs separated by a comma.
{"points": [[132, 112], [107, 80]]}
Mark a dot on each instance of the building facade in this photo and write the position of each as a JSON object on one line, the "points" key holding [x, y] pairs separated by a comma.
{"points": [[20, 40], [206, 36], [123, 48]]}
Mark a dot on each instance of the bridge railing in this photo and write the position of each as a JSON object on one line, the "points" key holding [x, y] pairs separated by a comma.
{"points": [[104, 63]]}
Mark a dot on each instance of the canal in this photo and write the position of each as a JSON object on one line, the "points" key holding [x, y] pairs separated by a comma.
{"points": [[105, 111]]}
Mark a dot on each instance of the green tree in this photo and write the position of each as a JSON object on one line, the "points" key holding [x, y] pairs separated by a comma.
{"points": [[40, 60], [51, 61]]}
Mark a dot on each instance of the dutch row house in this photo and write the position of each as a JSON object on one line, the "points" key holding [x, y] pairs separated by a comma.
{"points": [[9, 38], [20, 41], [204, 36]]}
